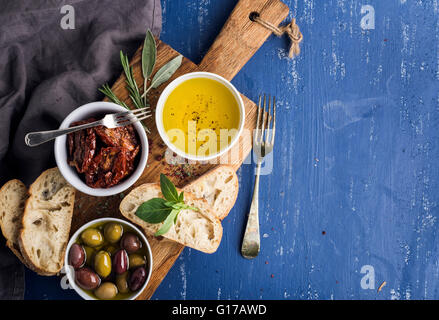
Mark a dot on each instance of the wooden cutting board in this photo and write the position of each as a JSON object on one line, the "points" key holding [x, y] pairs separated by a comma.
{"points": [[238, 40]]}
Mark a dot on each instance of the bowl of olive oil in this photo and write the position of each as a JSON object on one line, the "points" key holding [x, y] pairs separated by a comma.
{"points": [[200, 116]]}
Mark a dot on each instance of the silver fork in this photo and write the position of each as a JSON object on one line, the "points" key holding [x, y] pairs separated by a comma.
{"points": [[110, 121], [251, 243]]}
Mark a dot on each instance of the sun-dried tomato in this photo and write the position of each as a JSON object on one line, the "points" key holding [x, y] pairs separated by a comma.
{"points": [[109, 167], [108, 161], [82, 147], [124, 137]]}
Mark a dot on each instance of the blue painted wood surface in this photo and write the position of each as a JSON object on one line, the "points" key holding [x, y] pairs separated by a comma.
{"points": [[355, 176]]}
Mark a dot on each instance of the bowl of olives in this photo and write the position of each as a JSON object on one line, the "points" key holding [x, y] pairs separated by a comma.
{"points": [[108, 259]]}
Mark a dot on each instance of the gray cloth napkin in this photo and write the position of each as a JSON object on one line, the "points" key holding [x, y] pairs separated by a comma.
{"points": [[47, 69]]}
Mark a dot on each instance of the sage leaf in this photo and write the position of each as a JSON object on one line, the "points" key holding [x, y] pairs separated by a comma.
{"points": [[168, 189], [170, 219], [149, 53], [166, 72], [153, 210]]}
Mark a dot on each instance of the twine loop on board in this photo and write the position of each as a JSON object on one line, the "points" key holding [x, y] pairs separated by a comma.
{"points": [[291, 29]]}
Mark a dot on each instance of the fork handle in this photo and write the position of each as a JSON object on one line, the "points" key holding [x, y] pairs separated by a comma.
{"points": [[251, 243], [33, 139]]}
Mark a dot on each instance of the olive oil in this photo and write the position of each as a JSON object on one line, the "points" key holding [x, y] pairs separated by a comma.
{"points": [[201, 116]]}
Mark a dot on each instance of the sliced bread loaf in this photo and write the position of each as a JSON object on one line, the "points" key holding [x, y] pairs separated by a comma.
{"points": [[200, 230], [46, 222], [219, 187], [13, 196]]}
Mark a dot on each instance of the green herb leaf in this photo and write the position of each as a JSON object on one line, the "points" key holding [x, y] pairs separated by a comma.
{"points": [[178, 206], [165, 73], [153, 210], [170, 219], [168, 189], [164, 210], [170, 203], [149, 53], [132, 87], [111, 96]]}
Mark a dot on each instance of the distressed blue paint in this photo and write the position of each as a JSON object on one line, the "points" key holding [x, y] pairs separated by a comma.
{"points": [[356, 157]]}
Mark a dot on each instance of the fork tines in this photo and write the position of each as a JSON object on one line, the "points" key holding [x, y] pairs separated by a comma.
{"points": [[268, 120], [132, 116]]}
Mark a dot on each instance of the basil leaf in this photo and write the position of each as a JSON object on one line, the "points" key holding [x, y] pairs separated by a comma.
{"points": [[181, 197], [170, 204], [178, 206], [166, 71], [168, 189], [153, 210], [167, 223], [149, 53]]}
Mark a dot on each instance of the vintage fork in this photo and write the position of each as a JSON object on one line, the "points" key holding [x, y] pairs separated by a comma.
{"points": [[251, 243], [110, 121]]}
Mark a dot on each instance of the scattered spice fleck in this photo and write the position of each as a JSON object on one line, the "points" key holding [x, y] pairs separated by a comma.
{"points": [[272, 275], [336, 281], [323, 232], [266, 262], [158, 157], [149, 146]]}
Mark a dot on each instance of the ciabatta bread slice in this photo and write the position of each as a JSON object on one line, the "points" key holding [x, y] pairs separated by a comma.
{"points": [[219, 187], [46, 222], [200, 230], [13, 197]]}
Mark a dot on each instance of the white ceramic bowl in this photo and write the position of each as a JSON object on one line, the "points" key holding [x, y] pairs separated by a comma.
{"points": [[171, 87], [71, 175], [70, 272]]}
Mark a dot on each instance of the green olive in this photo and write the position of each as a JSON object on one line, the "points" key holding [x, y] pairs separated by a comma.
{"points": [[113, 232], [122, 282], [102, 264], [136, 260], [107, 290], [92, 237], [89, 255]]}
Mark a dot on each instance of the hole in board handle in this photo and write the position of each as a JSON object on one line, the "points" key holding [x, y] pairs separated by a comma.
{"points": [[253, 15]]}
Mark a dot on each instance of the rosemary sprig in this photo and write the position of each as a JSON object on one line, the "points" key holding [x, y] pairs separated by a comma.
{"points": [[110, 94], [132, 87]]}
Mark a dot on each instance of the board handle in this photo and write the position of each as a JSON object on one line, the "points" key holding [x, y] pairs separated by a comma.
{"points": [[240, 37]]}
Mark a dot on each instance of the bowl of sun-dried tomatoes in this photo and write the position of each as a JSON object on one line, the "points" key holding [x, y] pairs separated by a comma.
{"points": [[101, 161]]}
